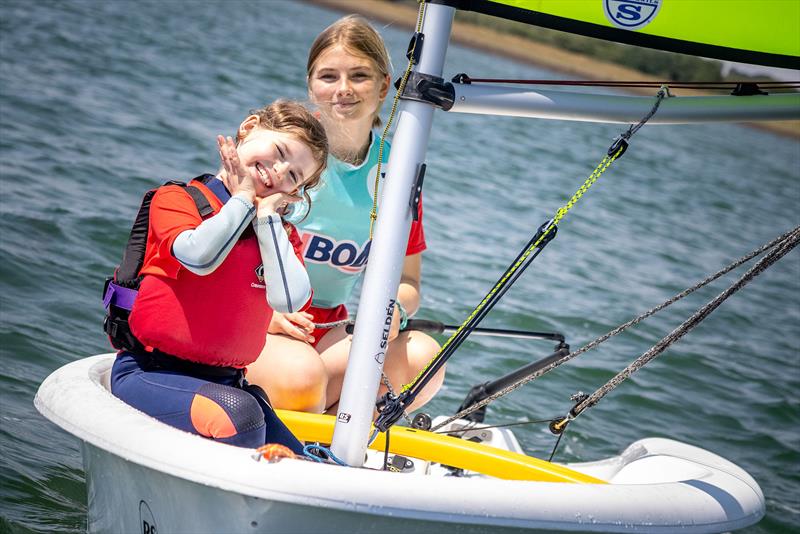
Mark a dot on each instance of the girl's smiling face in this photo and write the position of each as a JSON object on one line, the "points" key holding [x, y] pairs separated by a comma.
{"points": [[277, 162], [347, 87]]}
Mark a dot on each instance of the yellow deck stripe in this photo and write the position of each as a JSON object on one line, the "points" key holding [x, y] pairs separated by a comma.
{"points": [[443, 449]]}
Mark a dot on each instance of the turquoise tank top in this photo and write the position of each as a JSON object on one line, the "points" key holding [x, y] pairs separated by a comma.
{"points": [[335, 234]]}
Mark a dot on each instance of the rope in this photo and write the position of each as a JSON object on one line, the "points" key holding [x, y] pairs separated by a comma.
{"points": [[614, 83], [604, 164], [561, 213], [663, 92], [334, 324], [389, 413], [777, 253], [386, 452], [555, 447], [321, 455], [472, 426], [621, 328], [373, 214]]}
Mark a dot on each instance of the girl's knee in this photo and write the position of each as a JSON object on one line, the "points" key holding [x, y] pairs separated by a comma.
{"points": [[295, 381], [227, 414], [309, 376], [421, 350], [303, 389]]}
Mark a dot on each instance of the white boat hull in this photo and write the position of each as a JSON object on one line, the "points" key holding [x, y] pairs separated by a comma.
{"points": [[144, 476]]}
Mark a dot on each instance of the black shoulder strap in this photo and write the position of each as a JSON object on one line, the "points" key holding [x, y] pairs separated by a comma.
{"points": [[200, 200], [133, 257]]}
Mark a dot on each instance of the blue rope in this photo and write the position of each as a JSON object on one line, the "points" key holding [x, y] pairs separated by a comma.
{"points": [[308, 452]]}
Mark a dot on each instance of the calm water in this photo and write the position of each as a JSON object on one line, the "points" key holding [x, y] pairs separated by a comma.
{"points": [[102, 100]]}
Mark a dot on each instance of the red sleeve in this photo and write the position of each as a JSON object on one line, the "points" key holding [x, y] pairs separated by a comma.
{"points": [[294, 239], [297, 244], [172, 211], [416, 237]]}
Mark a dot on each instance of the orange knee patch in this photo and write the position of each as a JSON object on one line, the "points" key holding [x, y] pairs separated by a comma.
{"points": [[210, 419]]}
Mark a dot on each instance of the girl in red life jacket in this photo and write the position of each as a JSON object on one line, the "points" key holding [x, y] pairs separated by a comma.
{"points": [[210, 285]]}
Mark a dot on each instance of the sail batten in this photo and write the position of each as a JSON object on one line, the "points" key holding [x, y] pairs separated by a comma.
{"points": [[766, 32]]}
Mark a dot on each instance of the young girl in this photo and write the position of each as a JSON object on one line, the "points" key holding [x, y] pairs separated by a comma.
{"points": [[302, 367], [210, 285]]}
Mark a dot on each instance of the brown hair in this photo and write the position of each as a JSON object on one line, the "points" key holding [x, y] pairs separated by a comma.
{"points": [[359, 38], [292, 118]]}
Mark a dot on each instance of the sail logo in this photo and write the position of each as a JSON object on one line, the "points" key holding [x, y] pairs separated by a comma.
{"points": [[631, 14], [345, 255]]}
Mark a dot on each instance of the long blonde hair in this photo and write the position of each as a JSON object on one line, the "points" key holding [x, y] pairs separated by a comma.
{"points": [[359, 38]]}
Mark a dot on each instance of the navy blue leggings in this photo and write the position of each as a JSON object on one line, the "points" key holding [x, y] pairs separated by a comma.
{"points": [[215, 407]]}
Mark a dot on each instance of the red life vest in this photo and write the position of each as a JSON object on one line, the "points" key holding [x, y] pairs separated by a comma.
{"points": [[219, 319]]}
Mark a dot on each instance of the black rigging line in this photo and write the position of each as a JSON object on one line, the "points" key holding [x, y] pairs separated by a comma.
{"points": [[721, 85]]}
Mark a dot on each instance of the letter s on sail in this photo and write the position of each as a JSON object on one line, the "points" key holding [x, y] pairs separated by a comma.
{"points": [[631, 14]]}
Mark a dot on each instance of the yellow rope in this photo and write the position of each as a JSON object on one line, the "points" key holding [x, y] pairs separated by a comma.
{"points": [[373, 214], [562, 212]]}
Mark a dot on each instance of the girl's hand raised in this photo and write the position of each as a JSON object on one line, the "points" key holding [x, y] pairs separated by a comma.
{"points": [[235, 176]]}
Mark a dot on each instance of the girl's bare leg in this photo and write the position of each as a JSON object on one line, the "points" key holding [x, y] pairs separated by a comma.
{"points": [[292, 373], [407, 356]]}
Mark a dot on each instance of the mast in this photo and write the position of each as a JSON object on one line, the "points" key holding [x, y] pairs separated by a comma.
{"points": [[382, 277]]}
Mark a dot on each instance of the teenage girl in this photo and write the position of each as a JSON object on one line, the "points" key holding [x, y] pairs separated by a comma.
{"points": [[211, 284], [303, 367]]}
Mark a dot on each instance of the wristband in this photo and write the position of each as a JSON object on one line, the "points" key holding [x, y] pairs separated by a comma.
{"points": [[403, 314]]}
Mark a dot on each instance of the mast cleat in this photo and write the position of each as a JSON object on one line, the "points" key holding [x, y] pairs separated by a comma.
{"points": [[391, 408]]}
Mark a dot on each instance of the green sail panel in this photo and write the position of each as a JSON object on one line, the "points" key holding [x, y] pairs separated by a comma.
{"points": [[763, 32]]}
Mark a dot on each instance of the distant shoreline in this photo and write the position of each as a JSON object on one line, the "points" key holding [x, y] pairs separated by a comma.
{"points": [[526, 50]]}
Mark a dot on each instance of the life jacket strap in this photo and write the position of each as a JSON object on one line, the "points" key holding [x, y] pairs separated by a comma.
{"points": [[157, 360], [115, 325], [203, 206], [122, 297]]}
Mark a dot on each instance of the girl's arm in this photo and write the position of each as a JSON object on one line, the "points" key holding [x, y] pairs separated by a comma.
{"points": [[288, 286], [408, 292], [204, 248]]}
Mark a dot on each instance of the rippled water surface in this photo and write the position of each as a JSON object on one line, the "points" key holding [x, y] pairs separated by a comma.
{"points": [[102, 100]]}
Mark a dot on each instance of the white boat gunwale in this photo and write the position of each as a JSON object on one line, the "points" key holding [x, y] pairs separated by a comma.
{"points": [[723, 497]]}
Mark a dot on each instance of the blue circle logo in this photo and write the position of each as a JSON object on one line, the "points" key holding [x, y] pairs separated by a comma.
{"points": [[631, 14]]}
